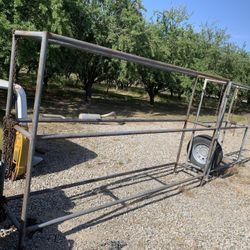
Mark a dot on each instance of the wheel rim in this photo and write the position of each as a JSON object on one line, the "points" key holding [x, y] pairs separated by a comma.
{"points": [[200, 153]]}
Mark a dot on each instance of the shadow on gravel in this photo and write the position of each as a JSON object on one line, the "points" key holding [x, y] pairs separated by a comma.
{"points": [[60, 155], [51, 203], [54, 202], [154, 173], [42, 208]]}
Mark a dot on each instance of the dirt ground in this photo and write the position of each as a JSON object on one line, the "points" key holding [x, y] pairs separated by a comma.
{"points": [[215, 216]]}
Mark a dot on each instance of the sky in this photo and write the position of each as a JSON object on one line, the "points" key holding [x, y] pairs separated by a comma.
{"points": [[232, 15]]}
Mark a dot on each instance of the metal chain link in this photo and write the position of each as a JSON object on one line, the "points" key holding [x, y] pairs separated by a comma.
{"points": [[9, 136], [6, 232], [9, 133], [15, 62]]}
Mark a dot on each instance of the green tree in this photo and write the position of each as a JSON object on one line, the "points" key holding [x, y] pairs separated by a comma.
{"points": [[153, 47]]}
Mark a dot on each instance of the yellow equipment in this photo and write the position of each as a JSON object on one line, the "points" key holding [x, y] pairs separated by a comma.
{"points": [[20, 154], [19, 160], [21, 144]]}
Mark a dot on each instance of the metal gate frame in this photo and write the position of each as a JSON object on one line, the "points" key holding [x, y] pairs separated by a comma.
{"points": [[218, 126]]}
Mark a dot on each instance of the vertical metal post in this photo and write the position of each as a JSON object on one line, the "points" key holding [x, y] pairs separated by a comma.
{"points": [[197, 118], [39, 86], [242, 143], [234, 98], [216, 133], [185, 123], [9, 103], [244, 137], [11, 75]]}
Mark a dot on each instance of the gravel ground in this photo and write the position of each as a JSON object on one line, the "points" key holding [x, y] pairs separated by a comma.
{"points": [[215, 216]]}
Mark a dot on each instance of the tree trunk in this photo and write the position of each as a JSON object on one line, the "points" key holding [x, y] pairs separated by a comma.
{"points": [[17, 74], [45, 78], [45, 81], [248, 98], [108, 86], [171, 92], [151, 97], [88, 92]]}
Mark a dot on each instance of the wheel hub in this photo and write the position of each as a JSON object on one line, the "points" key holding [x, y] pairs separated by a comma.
{"points": [[200, 153]]}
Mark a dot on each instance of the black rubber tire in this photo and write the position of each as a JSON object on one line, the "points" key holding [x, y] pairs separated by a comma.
{"points": [[206, 141]]}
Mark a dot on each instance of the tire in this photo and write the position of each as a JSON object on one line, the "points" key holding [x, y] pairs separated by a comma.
{"points": [[199, 151]]}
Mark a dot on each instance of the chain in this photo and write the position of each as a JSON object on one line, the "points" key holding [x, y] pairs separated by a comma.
{"points": [[9, 139], [15, 62], [9, 133], [6, 232], [6, 229], [9, 136]]}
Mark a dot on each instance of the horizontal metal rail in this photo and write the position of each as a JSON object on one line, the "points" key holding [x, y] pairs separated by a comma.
{"points": [[133, 132], [109, 204], [201, 124], [22, 131], [97, 49], [104, 120], [241, 86], [103, 51], [31, 34], [100, 50], [11, 216]]}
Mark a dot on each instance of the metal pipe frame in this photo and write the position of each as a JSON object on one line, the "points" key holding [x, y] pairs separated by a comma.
{"points": [[216, 132], [229, 113], [242, 143], [46, 38], [241, 86], [39, 85], [100, 50], [202, 124], [103, 120], [185, 124], [23, 131], [131, 132], [196, 119], [11, 216]]}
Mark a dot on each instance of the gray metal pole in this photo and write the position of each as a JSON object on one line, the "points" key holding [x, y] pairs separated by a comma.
{"points": [[234, 98], [11, 216], [39, 86], [103, 120], [100, 50], [22, 131], [11, 75], [216, 133], [96, 49], [131, 132], [185, 124], [242, 143], [196, 119]]}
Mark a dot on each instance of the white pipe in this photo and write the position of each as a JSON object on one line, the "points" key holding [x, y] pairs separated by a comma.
{"points": [[21, 107], [21, 102]]}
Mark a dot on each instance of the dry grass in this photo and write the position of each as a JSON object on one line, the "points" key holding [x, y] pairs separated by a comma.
{"points": [[232, 170], [186, 191]]}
